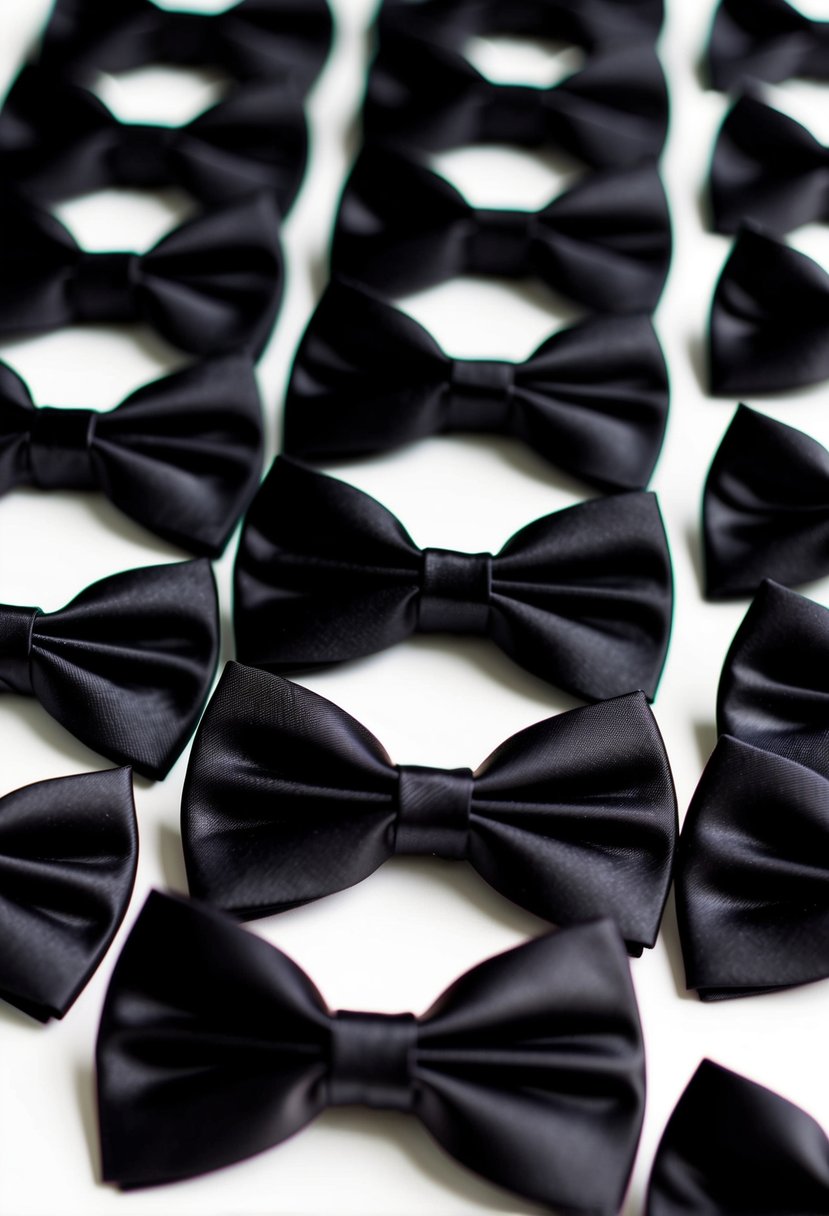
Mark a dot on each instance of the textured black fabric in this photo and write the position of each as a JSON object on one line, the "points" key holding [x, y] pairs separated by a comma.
{"points": [[606, 243], [765, 40], [529, 1069], [212, 286], [68, 852], [58, 140], [582, 598], [592, 399], [288, 799], [182, 456], [126, 666], [734, 1148]]}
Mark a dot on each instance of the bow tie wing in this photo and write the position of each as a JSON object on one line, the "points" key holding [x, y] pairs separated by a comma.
{"points": [[531, 1070], [92, 34], [324, 573], [752, 888], [765, 507], [17, 416], [583, 598], [68, 852], [212, 1047], [760, 39], [37, 260], [576, 818], [277, 38], [286, 799], [773, 692], [128, 664]]}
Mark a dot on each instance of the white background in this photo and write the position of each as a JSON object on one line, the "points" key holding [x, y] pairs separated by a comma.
{"points": [[395, 941]]}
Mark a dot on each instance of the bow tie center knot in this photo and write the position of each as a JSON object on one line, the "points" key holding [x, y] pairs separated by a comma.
{"points": [[433, 812], [500, 243], [371, 1059], [16, 626], [186, 38], [480, 393], [59, 454], [516, 114], [455, 591], [103, 287], [140, 156]]}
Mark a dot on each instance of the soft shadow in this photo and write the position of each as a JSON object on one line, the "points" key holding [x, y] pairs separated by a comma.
{"points": [[46, 730], [171, 857], [693, 538], [705, 734], [88, 1107], [704, 208], [474, 890], [670, 936], [9, 1016], [698, 357]]}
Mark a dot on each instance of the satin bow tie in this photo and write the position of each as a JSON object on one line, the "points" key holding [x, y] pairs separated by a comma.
{"points": [[68, 853], [212, 286], [182, 456], [612, 113], [767, 40], [732, 1147], [767, 170], [573, 818], [58, 140], [606, 243], [581, 598], [126, 666], [765, 508], [769, 327], [254, 38], [592, 399], [528, 1070]]}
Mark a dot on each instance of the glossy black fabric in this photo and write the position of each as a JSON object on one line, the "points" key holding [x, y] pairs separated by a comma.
{"points": [[612, 113], [768, 170], [592, 399], [182, 456], [765, 40], [282, 39], [58, 140], [752, 879], [765, 508], [582, 598], [769, 326], [606, 243], [529, 1069], [212, 286], [288, 798], [126, 666], [734, 1148], [773, 691]]}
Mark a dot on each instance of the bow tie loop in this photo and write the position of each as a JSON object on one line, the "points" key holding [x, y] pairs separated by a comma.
{"points": [[816, 57], [515, 114], [455, 591], [60, 454], [480, 395], [103, 286], [371, 1057], [433, 812], [500, 243], [16, 625], [186, 38], [140, 159]]}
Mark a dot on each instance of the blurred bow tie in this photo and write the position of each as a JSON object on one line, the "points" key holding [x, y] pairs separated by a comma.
{"points": [[126, 666], [68, 853], [212, 286], [573, 818], [528, 1070], [605, 244], [278, 39], [367, 378], [769, 326], [612, 113], [581, 598], [732, 1147], [765, 508], [58, 140], [182, 456], [768, 170], [765, 40]]}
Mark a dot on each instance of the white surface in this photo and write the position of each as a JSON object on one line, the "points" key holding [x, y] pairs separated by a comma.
{"points": [[395, 941]]}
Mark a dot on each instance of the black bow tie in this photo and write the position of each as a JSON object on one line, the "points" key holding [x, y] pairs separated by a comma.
{"points": [[765, 508], [582, 598], [68, 852], [212, 286], [58, 140], [769, 327], [182, 456], [612, 113], [573, 818], [367, 378], [765, 40], [732, 1147], [283, 39], [126, 666], [529, 1069], [606, 243], [767, 169]]}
